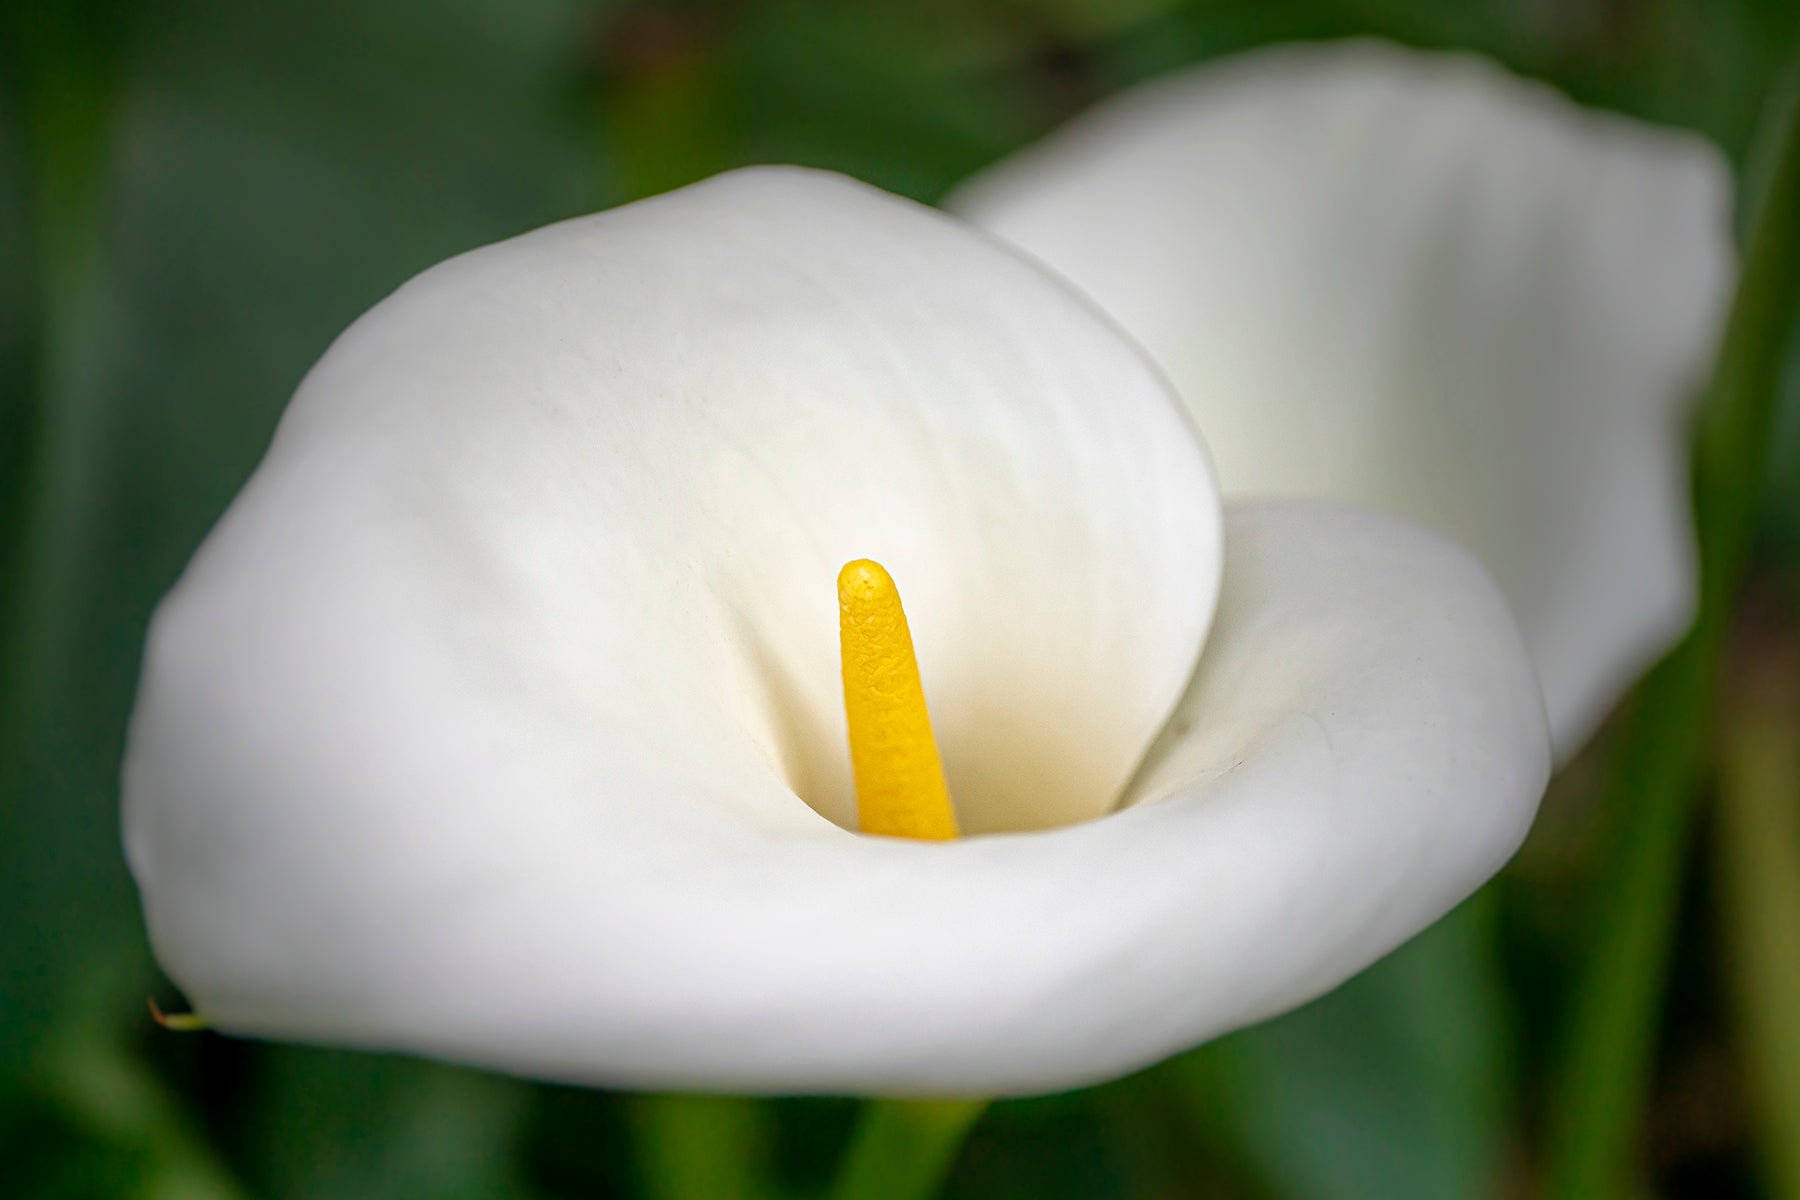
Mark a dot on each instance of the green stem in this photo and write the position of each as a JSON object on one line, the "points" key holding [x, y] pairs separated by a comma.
{"points": [[1604, 1074], [1758, 846], [56, 59], [902, 1149], [668, 115], [701, 1147], [66, 87]]}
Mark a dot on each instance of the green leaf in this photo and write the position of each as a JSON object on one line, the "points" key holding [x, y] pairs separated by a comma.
{"points": [[1398, 1084], [338, 1125]]}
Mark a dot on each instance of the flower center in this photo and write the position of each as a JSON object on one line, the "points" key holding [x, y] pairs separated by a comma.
{"points": [[900, 788]]}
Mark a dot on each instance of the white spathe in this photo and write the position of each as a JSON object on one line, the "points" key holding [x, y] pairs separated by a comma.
{"points": [[499, 718], [1416, 282]]}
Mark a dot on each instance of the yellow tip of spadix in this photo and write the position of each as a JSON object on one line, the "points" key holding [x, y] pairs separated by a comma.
{"points": [[900, 789]]}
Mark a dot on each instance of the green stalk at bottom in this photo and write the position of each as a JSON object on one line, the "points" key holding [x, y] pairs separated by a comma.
{"points": [[1758, 853], [902, 1149]]}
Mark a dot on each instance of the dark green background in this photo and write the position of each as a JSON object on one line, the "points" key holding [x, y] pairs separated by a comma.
{"points": [[194, 198]]}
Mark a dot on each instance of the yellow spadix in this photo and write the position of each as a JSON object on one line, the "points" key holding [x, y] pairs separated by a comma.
{"points": [[900, 788]]}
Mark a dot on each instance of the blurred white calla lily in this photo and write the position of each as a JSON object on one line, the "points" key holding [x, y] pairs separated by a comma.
{"points": [[1415, 282], [500, 717]]}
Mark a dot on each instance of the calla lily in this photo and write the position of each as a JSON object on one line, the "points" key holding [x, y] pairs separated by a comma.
{"points": [[501, 716], [1414, 282]]}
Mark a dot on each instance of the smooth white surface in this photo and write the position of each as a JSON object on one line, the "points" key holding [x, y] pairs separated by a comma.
{"points": [[1416, 282], [475, 729]]}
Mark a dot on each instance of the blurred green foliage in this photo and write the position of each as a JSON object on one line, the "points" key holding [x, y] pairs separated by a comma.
{"points": [[195, 197], [1663, 740]]}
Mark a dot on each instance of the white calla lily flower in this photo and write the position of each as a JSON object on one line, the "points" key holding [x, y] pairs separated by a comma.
{"points": [[501, 717], [1415, 282]]}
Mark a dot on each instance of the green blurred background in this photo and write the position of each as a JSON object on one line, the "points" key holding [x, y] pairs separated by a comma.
{"points": [[194, 198]]}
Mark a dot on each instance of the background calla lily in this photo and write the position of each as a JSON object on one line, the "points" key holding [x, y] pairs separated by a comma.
{"points": [[1416, 282], [499, 719]]}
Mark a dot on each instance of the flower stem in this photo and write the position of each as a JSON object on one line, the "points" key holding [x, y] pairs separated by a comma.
{"points": [[1758, 849], [903, 1148], [1604, 1074], [702, 1147], [58, 67]]}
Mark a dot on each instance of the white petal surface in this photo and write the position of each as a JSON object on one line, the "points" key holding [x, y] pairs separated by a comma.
{"points": [[1366, 746], [488, 719], [1415, 282]]}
